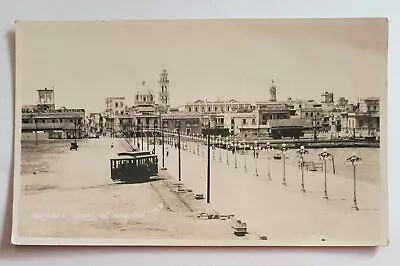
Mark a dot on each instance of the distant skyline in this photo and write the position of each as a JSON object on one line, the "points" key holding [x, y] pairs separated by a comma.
{"points": [[206, 59]]}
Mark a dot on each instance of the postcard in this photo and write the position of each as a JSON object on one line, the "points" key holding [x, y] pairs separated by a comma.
{"points": [[242, 132]]}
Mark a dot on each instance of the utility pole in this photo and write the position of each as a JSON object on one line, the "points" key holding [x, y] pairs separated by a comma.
{"points": [[208, 169], [179, 151]]}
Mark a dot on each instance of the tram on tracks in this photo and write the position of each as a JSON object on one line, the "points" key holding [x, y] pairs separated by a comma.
{"points": [[133, 167]]}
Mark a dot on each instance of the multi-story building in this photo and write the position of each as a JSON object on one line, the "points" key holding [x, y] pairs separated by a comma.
{"points": [[243, 123], [185, 122], [365, 120], [216, 107], [44, 121], [115, 107]]}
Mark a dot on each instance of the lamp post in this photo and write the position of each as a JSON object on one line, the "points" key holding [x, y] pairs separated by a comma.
{"points": [[227, 150], [213, 139], [202, 144], [147, 136], [198, 144], [179, 154], [268, 149], [284, 149], [208, 169], [234, 150], [255, 156], [245, 155], [354, 160], [325, 155], [301, 153], [163, 148], [142, 135], [220, 149], [154, 137]]}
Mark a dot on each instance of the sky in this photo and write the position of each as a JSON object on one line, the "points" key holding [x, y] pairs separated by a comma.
{"points": [[206, 59]]}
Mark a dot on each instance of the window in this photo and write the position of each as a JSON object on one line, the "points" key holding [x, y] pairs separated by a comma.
{"points": [[222, 109], [190, 109], [306, 114], [121, 104], [122, 112], [228, 108], [311, 114], [253, 121], [71, 121], [147, 121], [196, 109], [232, 121], [317, 113], [215, 109], [202, 109], [61, 120], [209, 109], [138, 120], [300, 106], [244, 121], [116, 105], [53, 121]]}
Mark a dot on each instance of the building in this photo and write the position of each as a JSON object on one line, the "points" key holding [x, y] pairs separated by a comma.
{"points": [[216, 107], [291, 128], [272, 92], [242, 123], [115, 107], [164, 91], [187, 123], [327, 97], [44, 121], [271, 111], [365, 120]]}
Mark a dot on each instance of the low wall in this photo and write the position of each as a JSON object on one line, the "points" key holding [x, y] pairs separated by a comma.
{"points": [[32, 136]]}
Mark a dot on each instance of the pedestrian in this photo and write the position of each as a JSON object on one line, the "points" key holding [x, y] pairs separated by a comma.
{"points": [[167, 152], [112, 145]]}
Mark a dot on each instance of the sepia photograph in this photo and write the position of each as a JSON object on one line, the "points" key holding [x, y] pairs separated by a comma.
{"points": [[240, 132]]}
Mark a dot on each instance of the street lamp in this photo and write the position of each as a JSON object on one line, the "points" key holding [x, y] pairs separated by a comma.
{"points": [[36, 128], [245, 154], [213, 139], [220, 149], [301, 153], [198, 143], [255, 156], [268, 149], [284, 149], [234, 149], [202, 145], [179, 153], [325, 155], [354, 160], [227, 150]]}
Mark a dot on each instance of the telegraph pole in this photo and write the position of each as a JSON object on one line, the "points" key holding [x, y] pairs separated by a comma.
{"points": [[179, 152], [208, 169]]}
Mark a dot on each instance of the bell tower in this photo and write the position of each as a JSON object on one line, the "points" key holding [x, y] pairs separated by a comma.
{"points": [[164, 88], [272, 92]]}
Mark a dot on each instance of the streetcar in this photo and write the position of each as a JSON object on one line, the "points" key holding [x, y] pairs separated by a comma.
{"points": [[133, 169]]}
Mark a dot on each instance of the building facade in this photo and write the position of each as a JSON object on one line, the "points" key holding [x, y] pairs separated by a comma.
{"points": [[44, 119]]}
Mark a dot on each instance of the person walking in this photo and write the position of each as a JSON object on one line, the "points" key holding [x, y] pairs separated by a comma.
{"points": [[167, 152]]}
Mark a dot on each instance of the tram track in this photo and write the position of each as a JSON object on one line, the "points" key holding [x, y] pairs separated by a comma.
{"points": [[169, 197]]}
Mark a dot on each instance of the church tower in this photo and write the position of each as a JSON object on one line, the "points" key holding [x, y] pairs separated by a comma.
{"points": [[272, 92], [164, 88]]}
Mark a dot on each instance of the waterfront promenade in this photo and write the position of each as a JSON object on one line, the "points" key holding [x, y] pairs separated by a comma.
{"points": [[285, 214], [72, 196]]}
